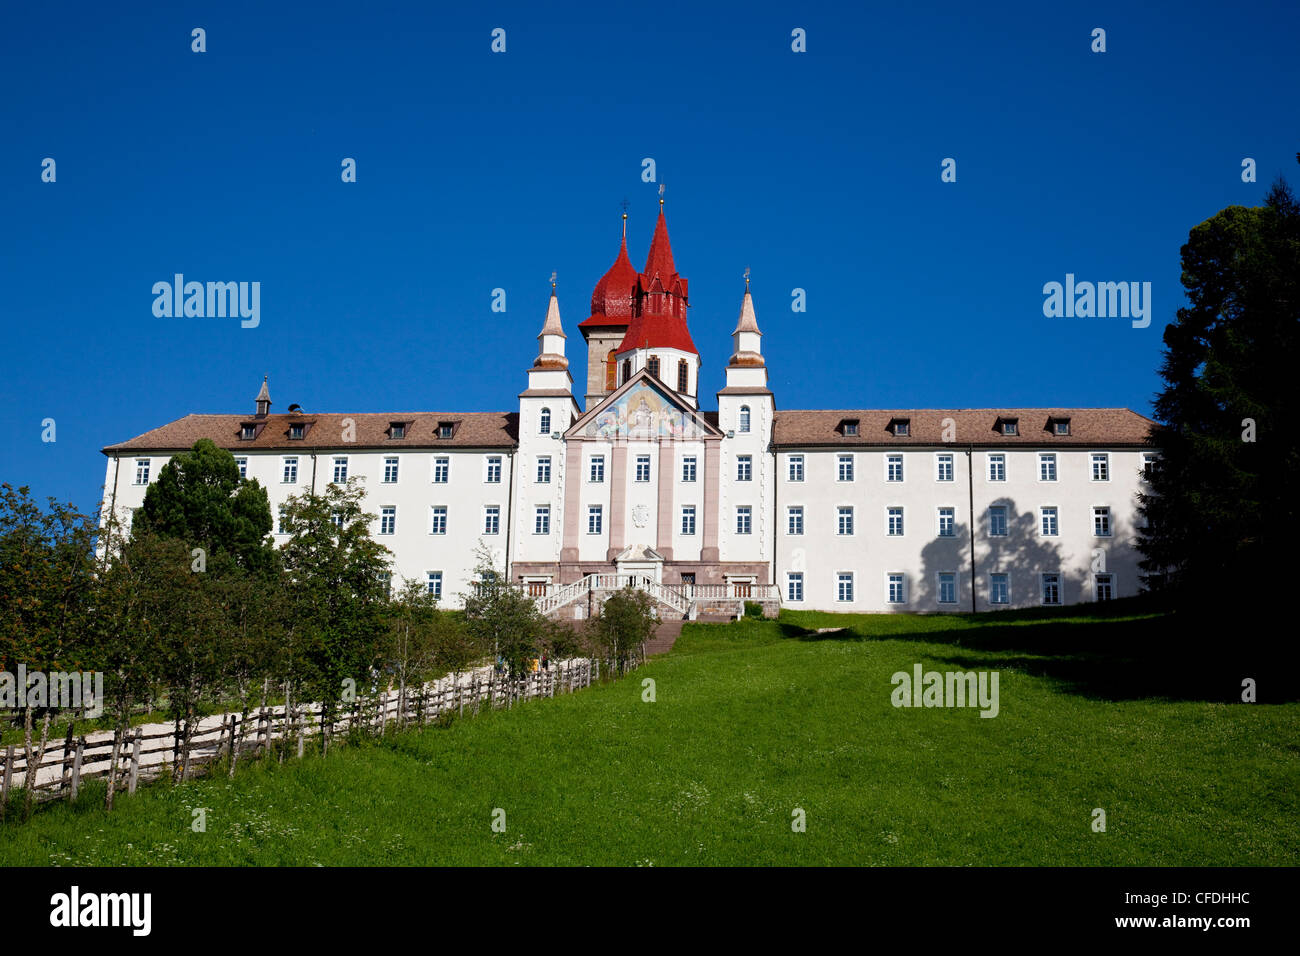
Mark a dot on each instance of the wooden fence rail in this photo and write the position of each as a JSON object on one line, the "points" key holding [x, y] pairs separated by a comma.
{"points": [[137, 755]]}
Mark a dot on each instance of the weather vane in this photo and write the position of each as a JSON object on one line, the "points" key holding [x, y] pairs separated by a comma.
{"points": [[661, 194], [746, 278], [553, 280]]}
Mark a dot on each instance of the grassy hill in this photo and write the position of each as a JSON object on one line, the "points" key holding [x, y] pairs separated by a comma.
{"points": [[755, 719]]}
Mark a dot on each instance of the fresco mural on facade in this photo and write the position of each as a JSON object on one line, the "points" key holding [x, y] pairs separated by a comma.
{"points": [[643, 414]]}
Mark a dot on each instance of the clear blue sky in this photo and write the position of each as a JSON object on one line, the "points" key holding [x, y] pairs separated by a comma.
{"points": [[477, 170]]}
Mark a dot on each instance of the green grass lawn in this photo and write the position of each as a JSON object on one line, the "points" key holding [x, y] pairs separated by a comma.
{"points": [[753, 720]]}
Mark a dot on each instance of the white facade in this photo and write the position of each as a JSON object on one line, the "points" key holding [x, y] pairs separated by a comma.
{"points": [[854, 510]]}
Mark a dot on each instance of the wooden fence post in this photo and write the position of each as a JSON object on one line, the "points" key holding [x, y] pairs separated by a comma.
{"points": [[135, 760], [5, 780], [67, 759], [76, 768]]}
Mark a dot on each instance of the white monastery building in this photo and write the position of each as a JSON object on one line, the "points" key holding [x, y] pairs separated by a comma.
{"points": [[626, 474]]}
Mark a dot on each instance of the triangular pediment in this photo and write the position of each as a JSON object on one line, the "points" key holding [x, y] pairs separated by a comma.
{"points": [[642, 409]]}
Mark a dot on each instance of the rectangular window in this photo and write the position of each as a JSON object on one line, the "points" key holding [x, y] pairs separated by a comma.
{"points": [[1050, 528], [1148, 466], [744, 468], [336, 519], [340, 471], [243, 467], [999, 589], [744, 519], [445, 429], [441, 470], [594, 515], [494, 471], [895, 519], [387, 519], [1010, 426], [492, 519], [1101, 522], [688, 468], [794, 586], [435, 584], [1047, 467], [947, 522], [544, 470], [688, 520], [997, 467], [386, 579], [597, 471], [997, 521], [897, 591], [1061, 426], [1101, 467], [390, 470], [947, 587], [845, 520], [1103, 587], [846, 468], [142, 471], [943, 467], [796, 467], [282, 524], [542, 520], [1051, 589], [794, 520], [247, 432], [290, 474], [894, 468], [642, 467], [296, 432], [397, 430], [844, 586], [438, 519]]}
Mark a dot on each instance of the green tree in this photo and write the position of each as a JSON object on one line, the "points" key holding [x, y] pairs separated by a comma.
{"points": [[200, 498], [625, 622], [1221, 501], [409, 646], [337, 593], [501, 617], [46, 579]]}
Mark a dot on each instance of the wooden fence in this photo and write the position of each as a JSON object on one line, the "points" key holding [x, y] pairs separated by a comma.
{"points": [[136, 755]]}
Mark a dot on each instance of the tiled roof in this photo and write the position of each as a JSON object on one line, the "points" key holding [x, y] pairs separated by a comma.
{"points": [[978, 426], [326, 430]]}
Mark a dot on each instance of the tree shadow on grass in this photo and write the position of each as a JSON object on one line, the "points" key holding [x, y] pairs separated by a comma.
{"points": [[1130, 649]]}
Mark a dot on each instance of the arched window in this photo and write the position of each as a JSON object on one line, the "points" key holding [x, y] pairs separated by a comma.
{"points": [[683, 376], [744, 418], [652, 364], [627, 369], [545, 428], [611, 372]]}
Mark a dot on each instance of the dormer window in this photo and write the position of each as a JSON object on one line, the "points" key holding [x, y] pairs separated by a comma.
{"points": [[296, 431], [446, 429], [1060, 426], [247, 432], [901, 427], [849, 428], [1009, 426], [396, 430]]}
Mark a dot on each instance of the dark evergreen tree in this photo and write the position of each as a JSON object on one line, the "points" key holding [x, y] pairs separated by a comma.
{"points": [[1221, 510]]}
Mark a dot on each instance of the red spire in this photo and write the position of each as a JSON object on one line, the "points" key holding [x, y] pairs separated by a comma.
{"points": [[659, 315], [660, 260]]}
